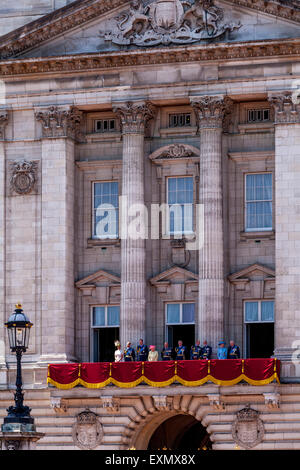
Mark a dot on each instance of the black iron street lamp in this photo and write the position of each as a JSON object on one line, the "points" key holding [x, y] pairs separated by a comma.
{"points": [[18, 328]]}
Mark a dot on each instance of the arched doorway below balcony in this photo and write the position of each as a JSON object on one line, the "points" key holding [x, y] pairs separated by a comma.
{"points": [[180, 432]]}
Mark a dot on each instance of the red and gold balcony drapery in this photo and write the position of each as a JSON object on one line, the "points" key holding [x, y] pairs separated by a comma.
{"points": [[164, 373]]}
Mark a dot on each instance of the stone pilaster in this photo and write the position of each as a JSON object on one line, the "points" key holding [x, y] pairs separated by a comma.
{"points": [[210, 112], [133, 117], [59, 128], [3, 123], [287, 229]]}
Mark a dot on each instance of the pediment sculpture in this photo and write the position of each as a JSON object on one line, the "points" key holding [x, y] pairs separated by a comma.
{"points": [[168, 22]]}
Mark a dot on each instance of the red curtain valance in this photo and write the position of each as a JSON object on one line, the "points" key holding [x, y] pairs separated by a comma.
{"points": [[164, 373]]}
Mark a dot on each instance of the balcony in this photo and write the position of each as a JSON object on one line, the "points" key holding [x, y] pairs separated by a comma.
{"points": [[255, 372]]}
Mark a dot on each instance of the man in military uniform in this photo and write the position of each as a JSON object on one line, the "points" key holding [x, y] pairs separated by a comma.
{"points": [[233, 351], [129, 354], [206, 351], [167, 353], [196, 351], [142, 351], [180, 351]]}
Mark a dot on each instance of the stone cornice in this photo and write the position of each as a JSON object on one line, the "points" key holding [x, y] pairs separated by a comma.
{"points": [[82, 11], [183, 54]]}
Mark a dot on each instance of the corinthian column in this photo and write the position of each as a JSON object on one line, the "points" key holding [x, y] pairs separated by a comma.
{"points": [[133, 117], [287, 229], [60, 126], [210, 111]]}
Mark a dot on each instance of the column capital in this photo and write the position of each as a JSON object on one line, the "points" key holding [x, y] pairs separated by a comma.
{"points": [[211, 110], [60, 121], [286, 106], [134, 116], [3, 122]]}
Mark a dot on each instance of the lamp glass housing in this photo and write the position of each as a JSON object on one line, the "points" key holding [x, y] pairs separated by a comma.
{"points": [[18, 328]]}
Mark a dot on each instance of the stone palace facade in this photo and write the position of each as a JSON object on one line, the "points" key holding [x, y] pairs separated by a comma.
{"points": [[117, 110]]}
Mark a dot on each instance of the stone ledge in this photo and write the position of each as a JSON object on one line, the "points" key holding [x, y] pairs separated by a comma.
{"points": [[95, 242], [259, 235]]}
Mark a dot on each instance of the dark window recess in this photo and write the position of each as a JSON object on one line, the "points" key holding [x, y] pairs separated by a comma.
{"points": [[258, 115], [105, 125], [179, 120]]}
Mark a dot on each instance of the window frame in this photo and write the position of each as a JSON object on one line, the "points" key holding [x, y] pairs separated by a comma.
{"points": [[108, 130], [259, 301], [182, 116], [180, 313], [256, 111], [168, 215], [257, 229], [105, 306], [97, 237]]}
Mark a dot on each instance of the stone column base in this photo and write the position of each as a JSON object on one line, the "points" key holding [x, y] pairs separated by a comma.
{"points": [[19, 440]]}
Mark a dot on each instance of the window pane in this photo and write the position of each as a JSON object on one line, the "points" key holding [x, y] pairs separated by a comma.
{"points": [[173, 313], [251, 311], [180, 200], [98, 316], [106, 211], [188, 313], [267, 311], [113, 315]]}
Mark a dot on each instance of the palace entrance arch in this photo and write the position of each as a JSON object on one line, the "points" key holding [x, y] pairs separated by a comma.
{"points": [[173, 431]]}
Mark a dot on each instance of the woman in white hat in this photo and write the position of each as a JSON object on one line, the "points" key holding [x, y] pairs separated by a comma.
{"points": [[153, 355], [118, 353]]}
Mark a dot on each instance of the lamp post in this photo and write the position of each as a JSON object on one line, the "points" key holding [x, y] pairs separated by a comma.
{"points": [[18, 328], [18, 429]]}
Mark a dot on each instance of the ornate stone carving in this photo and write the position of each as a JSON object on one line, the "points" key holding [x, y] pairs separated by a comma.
{"points": [[168, 22], [134, 116], [176, 151], [111, 404], [211, 111], [12, 444], [248, 429], [87, 431], [58, 404], [215, 402], [272, 400], [23, 176], [162, 402], [3, 123], [112, 60], [58, 22], [59, 122], [286, 106]]}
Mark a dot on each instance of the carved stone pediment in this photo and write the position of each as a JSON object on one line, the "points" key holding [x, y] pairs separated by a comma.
{"points": [[174, 151], [101, 283], [156, 21], [98, 278], [168, 22], [175, 275], [248, 429], [254, 272]]}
